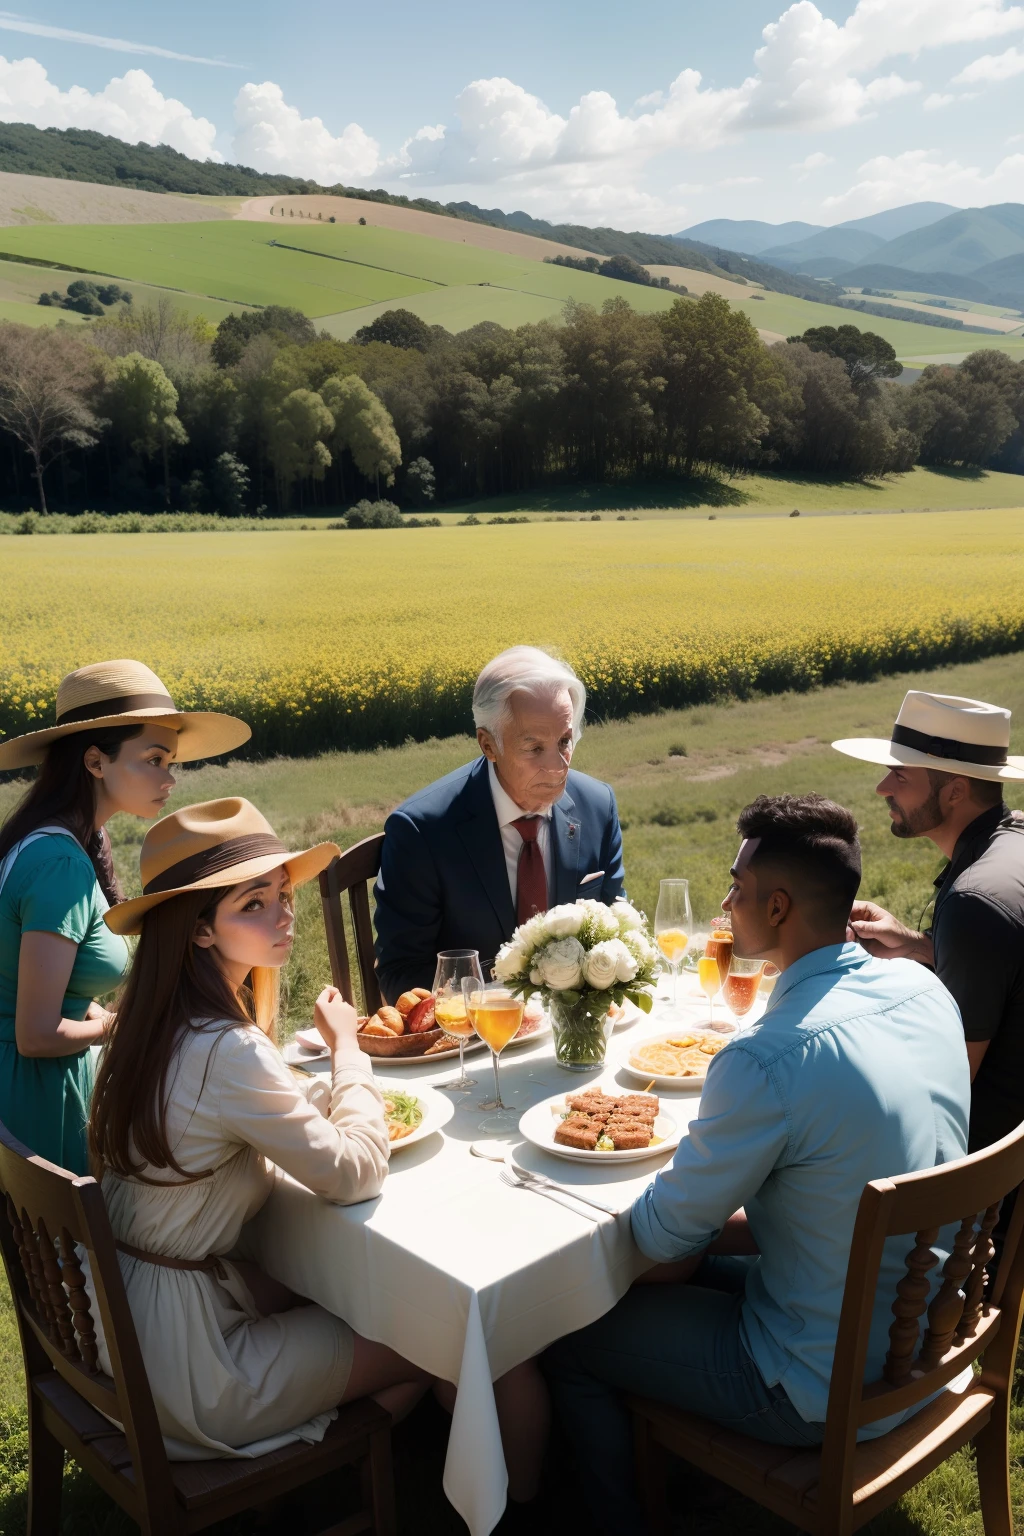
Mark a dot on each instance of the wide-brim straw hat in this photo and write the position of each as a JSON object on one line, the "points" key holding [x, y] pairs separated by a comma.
{"points": [[113, 693], [203, 847], [939, 730]]}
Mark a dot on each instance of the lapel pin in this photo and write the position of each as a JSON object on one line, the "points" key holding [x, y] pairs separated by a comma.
{"points": [[572, 829]]}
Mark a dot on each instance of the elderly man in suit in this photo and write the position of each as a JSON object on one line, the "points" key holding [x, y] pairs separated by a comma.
{"points": [[515, 831]]}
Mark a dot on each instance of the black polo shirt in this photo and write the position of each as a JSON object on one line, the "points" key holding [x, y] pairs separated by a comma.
{"points": [[978, 933]]}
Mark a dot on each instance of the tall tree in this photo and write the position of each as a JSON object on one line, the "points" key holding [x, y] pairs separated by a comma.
{"points": [[143, 405], [363, 426], [866, 356], [45, 377], [297, 448]]}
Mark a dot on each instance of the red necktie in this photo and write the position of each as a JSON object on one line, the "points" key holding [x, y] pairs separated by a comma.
{"points": [[532, 880]]}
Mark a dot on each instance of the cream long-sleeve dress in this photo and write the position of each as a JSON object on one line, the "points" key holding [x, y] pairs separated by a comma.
{"points": [[225, 1380]]}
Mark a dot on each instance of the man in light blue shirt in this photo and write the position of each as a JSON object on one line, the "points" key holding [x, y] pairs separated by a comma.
{"points": [[857, 1071]]}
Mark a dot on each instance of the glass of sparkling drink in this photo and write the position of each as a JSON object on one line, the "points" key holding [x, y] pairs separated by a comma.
{"points": [[711, 982], [739, 990], [450, 1012], [673, 924], [496, 1014]]}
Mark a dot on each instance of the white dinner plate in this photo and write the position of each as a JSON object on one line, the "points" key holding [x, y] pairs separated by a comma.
{"points": [[540, 1122], [661, 1079], [437, 1111]]}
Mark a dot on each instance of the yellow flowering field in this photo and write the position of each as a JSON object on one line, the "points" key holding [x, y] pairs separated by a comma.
{"points": [[331, 639]]}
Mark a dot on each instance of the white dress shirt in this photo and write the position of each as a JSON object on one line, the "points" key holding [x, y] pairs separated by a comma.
{"points": [[507, 812]]}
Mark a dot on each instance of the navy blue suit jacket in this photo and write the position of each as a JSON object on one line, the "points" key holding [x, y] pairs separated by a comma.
{"points": [[443, 881]]}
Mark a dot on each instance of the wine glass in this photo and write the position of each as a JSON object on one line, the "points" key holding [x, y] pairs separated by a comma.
{"points": [[496, 1014], [739, 990], [673, 924], [711, 983], [450, 1014]]}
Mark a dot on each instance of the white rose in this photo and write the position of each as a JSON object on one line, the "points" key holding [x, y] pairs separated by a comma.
{"points": [[602, 964], [564, 922], [604, 923], [560, 964], [536, 978], [628, 965], [640, 947], [510, 960], [627, 917], [533, 932]]}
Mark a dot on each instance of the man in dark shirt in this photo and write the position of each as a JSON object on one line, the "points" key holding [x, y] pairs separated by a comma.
{"points": [[948, 763]]}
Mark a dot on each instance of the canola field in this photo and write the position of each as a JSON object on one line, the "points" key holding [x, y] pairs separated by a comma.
{"points": [[325, 639]]}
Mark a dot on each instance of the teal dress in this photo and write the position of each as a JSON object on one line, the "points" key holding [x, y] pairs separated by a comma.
{"points": [[52, 888]]}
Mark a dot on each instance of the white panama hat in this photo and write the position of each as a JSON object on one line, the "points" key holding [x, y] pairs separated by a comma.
{"points": [[939, 730]]}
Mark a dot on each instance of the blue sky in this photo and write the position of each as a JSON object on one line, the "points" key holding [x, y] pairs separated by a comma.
{"points": [[653, 118]]}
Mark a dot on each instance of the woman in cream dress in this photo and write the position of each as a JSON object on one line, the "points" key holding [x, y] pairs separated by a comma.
{"points": [[193, 1110]]}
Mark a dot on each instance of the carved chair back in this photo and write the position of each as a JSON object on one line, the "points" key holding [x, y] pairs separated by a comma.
{"points": [[930, 1342], [48, 1217], [350, 874]]}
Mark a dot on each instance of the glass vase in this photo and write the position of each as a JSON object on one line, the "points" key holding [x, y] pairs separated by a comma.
{"points": [[581, 1032]]}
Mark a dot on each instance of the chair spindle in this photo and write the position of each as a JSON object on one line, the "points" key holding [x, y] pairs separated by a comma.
{"points": [[911, 1296], [78, 1300], [984, 1252], [56, 1292], [947, 1306]]}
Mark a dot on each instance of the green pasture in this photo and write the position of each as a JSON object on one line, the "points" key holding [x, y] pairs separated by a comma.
{"points": [[678, 813], [791, 317], [457, 309], [21, 285], [322, 269]]}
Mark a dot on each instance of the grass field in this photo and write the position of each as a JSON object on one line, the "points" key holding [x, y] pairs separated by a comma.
{"points": [[323, 639], [345, 275], [321, 269], [678, 819]]}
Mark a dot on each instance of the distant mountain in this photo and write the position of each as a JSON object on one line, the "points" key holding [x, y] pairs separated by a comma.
{"points": [[900, 221], [961, 243], [750, 235], [876, 275], [840, 243]]}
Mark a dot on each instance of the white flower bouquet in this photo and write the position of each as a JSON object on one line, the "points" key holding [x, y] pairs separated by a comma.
{"points": [[582, 958]]}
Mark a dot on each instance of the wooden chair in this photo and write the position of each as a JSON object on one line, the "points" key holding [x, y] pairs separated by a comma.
{"points": [[45, 1212], [838, 1489], [351, 872]]}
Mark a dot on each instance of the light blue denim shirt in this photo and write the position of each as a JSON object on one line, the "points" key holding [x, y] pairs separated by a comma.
{"points": [[858, 1070]]}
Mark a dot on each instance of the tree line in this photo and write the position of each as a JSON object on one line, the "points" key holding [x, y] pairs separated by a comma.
{"points": [[151, 408]]}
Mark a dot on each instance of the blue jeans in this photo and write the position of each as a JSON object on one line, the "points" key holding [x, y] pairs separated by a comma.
{"points": [[681, 1345]]}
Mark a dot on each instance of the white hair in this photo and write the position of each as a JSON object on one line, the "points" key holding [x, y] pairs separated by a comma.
{"points": [[524, 669]]}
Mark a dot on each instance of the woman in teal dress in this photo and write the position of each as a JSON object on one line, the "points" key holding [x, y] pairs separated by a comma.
{"points": [[117, 733]]}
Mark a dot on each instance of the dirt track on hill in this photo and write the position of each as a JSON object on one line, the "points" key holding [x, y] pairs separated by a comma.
{"points": [[49, 200], [349, 210]]}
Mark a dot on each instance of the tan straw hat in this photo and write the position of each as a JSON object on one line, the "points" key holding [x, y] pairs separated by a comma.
{"points": [[113, 693], [938, 730], [202, 847]]}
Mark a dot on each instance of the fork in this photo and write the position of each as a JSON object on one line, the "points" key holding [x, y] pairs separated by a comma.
{"points": [[523, 1178]]}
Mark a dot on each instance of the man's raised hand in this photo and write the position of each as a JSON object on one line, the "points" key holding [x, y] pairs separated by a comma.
{"points": [[885, 937]]}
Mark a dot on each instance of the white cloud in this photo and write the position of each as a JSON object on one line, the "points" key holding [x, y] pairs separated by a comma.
{"points": [[992, 66], [815, 162], [11, 22], [918, 175], [130, 107], [273, 136], [741, 181], [936, 101]]}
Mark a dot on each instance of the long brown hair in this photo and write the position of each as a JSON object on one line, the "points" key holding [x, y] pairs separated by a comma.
{"points": [[174, 986], [64, 791]]}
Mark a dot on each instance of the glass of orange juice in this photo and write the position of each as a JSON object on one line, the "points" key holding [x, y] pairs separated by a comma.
{"points": [[673, 924], [496, 1014]]}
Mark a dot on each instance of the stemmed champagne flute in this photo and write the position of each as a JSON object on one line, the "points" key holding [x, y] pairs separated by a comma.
{"points": [[673, 924], [496, 1014], [711, 983], [450, 1013], [715, 963]]}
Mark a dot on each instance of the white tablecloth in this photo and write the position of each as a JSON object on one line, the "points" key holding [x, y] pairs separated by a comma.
{"points": [[460, 1273]]}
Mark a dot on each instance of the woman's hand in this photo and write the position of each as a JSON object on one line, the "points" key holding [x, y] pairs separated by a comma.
{"points": [[336, 1020]]}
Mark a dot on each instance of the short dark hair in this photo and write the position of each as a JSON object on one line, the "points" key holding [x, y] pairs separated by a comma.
{"points": [[984, 792], [814, 842]]}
